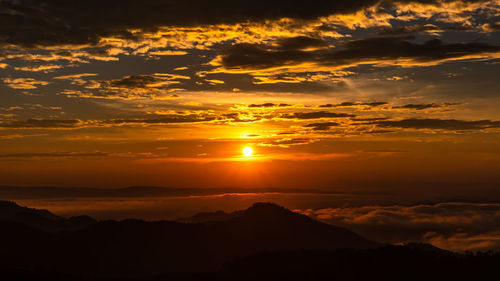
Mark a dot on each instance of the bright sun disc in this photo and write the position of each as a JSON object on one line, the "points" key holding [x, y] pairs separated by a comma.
{"points": [[247, 151]]}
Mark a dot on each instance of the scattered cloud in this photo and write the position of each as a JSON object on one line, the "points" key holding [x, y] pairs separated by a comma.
{"points": [[156, 86], [39, 68], [75, 76], [24, 83]]}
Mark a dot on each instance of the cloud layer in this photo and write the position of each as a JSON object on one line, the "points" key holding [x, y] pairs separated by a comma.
{"points": [[455, 226]]}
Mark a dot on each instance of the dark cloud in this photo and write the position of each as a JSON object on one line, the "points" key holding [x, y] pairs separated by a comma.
{"points": [[401, 47], [43, 123], [369, 119], [418, 106], [269, 104], [144, 81], [379, 132], [134, 81], [444, 124], [254, 56], [287, 142], [316, 115], [300, 43], [57, 22], [53, 22], [402, 30], [372, 50], [321, 126], [347, 104]]}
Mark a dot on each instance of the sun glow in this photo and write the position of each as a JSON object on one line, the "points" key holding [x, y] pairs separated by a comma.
{"points": [[247, 151]]}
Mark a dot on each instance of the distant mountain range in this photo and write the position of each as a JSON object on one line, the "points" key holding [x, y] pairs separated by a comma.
{"points": [[44, 192]]}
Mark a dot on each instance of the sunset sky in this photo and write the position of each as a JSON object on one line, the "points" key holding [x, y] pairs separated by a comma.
{"points": [[341, 95]]}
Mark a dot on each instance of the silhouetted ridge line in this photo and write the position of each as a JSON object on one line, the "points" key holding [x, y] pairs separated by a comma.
{"points": [[134, 247], [263, 210], [41, 219], [9, 209]]}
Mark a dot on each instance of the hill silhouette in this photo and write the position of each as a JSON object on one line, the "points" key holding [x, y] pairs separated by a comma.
{"points": [[133, 247], [41, 219]]}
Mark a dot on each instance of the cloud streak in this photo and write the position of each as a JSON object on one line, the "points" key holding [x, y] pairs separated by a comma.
{"points": [[442, 124], [43, 123]]}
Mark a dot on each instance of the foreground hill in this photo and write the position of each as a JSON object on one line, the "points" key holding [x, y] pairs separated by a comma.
{"points": [[387, 263], [136, 248]]}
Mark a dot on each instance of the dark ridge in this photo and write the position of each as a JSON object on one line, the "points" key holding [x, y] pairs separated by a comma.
{"points": [[10, 210], [135, 247], [41, 219]]}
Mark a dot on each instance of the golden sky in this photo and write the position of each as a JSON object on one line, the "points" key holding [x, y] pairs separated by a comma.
{"points": [[341, 95]]}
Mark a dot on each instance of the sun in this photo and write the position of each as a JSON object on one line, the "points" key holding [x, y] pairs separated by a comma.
{"points": [[247, 151]]}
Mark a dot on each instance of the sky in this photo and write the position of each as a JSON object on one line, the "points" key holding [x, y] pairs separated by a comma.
{"points": [[358, 96]]}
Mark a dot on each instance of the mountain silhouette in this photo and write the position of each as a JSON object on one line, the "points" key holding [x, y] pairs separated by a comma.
{"points": [[132, 247], [267, 226]]}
